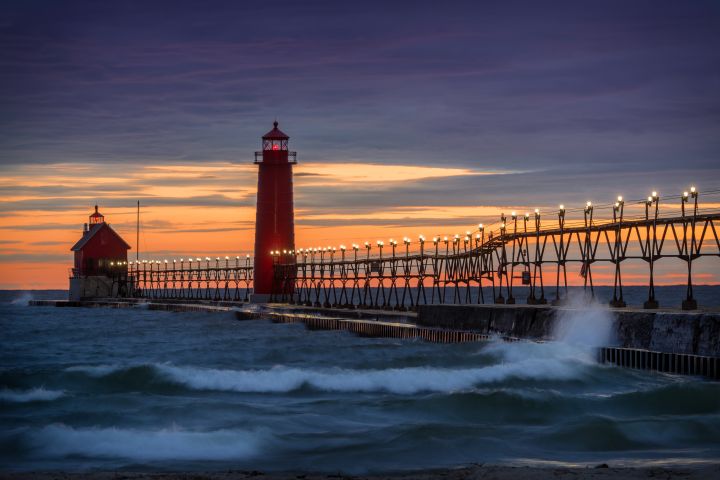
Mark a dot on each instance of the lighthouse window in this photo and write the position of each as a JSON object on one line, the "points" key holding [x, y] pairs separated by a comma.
{"points": [[275, 144]]}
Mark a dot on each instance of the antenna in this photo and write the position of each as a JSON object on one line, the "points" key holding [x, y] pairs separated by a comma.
{"points": [[137, 234]]}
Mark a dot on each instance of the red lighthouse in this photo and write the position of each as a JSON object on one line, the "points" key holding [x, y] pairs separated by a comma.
{"points": [[274, 221], [100, 256]]}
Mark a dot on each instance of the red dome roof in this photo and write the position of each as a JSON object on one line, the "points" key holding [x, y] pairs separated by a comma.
{"points": [[275, 133]]}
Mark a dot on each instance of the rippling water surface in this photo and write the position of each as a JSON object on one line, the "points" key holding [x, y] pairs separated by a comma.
{"points": [[137, 389]]}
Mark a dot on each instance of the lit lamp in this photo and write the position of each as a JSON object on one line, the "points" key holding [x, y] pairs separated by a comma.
{"points": [[588, 213], [618, 209], [694, 195]]}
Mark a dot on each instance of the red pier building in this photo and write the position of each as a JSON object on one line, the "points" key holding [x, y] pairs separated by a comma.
{"points": [[100, 259], [275, 218]]}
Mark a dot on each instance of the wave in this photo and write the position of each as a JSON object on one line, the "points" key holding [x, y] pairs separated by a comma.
{"points": [[34, 395], [407, 380], [145, 445]]}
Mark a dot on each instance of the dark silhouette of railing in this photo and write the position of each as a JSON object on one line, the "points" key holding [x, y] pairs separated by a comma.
{"points": [[192, 279], [530, 250], [519, 248]]}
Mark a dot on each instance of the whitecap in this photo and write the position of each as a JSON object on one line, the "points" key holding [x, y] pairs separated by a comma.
{"points": [[394, 380]]}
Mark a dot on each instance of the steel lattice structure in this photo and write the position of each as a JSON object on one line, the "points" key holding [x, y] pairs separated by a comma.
{"points": [[455, 270], [528, 250]]}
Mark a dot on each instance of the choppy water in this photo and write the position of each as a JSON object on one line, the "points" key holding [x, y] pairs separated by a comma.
{"points": [[137, 389]]}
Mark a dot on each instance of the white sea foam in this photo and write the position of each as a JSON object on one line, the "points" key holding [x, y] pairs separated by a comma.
{"points": [[395, 380], [23, 299], [38, 394], [585, 324], [579, 330], [147, 445]]}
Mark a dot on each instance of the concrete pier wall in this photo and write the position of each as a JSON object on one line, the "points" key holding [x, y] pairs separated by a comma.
{"points": [[694, 333], [674, 342]]}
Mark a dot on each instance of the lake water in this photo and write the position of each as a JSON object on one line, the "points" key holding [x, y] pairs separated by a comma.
{"points": [[101, 389]]}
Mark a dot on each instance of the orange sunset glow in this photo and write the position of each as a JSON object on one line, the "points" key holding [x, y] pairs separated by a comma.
{"points": [[190, 210]]}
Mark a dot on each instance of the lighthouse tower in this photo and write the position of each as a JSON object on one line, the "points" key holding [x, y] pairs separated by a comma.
{"points": [[274, 221]]}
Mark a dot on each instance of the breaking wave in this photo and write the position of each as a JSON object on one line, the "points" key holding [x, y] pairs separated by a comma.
{"points": [[34, 395], [147, 445], [394, 380]]}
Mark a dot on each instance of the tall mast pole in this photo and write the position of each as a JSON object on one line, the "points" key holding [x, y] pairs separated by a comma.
{"points": [[137, 234]]}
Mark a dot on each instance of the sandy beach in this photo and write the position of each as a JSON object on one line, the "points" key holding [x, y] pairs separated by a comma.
{"points": [[467, 473]]}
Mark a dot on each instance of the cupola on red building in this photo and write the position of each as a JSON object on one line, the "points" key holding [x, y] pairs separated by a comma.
{"points": [[99, 254]]}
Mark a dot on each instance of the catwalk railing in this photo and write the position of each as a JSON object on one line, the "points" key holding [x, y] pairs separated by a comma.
{"points": [[194, 279], [527, 249], [489, 265]]}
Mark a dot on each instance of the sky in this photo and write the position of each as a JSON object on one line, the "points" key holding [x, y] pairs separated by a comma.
{"points": [[408, 117]]}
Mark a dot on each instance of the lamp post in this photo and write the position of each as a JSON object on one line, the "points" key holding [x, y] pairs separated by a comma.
{"points": [[500, 299], [561, 261], [585, 270], [513, 259], [690, 249], [651, 246]]}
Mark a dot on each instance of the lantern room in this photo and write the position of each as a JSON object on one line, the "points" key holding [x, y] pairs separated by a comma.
{"points": [[275, 139], [96, 217], [275, 148]]}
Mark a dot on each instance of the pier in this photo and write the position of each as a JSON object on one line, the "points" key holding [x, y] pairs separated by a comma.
{"points": [[539, 252]]}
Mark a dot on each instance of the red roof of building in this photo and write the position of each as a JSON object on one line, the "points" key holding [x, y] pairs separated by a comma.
{"points": [[94, 231], [275, 133]]}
